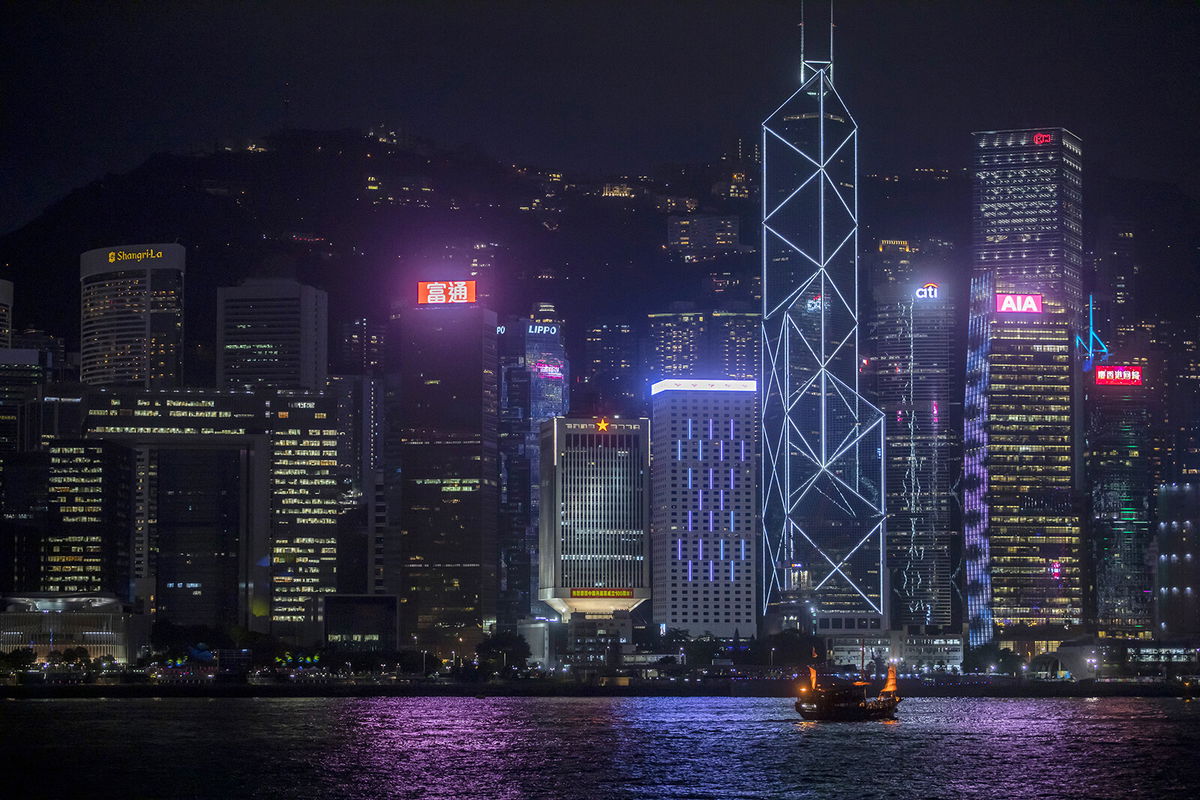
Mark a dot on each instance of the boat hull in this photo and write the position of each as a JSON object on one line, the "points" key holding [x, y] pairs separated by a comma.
{"points": [[869, 710]]}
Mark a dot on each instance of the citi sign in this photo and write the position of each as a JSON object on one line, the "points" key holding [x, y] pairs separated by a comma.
{"points": [[927, 292], [1019, 303]]}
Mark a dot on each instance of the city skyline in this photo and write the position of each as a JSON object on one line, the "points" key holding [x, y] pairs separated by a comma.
{"points": [[600, 400], [375, 334]]}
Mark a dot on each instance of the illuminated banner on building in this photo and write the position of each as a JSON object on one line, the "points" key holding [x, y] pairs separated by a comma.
{"points": [[442, 292], [687, 385], [542, 330], [132, 256], [928, 292], [1043, 138], [1118, 376], [1019, 303], [602, 593]]}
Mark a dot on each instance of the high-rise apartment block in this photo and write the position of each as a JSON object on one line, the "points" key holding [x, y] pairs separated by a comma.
{"points": [[702, 232], [704, 508], [131, 320], [676, 343]]}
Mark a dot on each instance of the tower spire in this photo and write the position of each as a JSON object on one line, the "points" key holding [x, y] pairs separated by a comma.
{"points": [[808, 65]]}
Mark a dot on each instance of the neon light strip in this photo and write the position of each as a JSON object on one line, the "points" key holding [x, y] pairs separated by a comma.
{"points": [[679, 385]]}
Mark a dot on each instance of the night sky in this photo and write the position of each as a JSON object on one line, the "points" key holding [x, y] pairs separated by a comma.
{"points": [[91, 88]]}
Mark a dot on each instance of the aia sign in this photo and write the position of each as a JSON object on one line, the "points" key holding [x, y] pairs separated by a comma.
{"points": [[1118, 376], [1042, 138], [442, 292], [1019, 303], [928, 292]]}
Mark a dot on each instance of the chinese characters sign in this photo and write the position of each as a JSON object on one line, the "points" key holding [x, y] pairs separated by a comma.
{"points": [[1019, 303], [602, 593], [1118, 376], [442, 292]]}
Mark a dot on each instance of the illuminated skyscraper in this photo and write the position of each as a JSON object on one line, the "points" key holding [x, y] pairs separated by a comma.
{"points": [[1022, 421], [131, 320], [273, 332], [86, 548], [1021, 502], [1027, 199], [1123, 409], [595, 544], [534, 387], [822, 444], [703, 518], [441, 464], [914, 346], [1177, 601]]}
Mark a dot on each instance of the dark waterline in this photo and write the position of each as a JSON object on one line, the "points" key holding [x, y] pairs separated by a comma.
{"points": [[594, 748]]}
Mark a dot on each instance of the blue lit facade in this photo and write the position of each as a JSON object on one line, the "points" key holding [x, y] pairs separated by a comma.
{"points": [[822, 445], [1022, 432], [534, 387], [703, 517]]}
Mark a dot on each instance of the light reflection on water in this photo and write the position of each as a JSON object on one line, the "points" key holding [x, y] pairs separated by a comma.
{"points": [[596, 748]]}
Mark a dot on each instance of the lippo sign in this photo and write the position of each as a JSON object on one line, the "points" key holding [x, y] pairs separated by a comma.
{"points": [[1118, 376], [1019, 303]]}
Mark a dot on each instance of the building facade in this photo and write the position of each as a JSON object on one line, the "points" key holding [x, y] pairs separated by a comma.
{"points": [[535, 380], [1022, 528], [131, 318], [1022, 415], [822, 442], [272, 332], [441, 465], [595, 544], [1122, 413], [913, 366], [1177, 599], [704, 511]]}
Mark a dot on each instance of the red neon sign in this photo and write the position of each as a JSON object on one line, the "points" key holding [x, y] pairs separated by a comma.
{"points": [[443, 292], [1119, 376], [1042, 138], [1019, 303]]}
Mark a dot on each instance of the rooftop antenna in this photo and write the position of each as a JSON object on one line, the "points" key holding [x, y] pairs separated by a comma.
{"points": [[830, 41], [808, 67], [803, 77]]}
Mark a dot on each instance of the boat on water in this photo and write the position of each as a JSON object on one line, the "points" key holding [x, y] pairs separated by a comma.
{"points": [[839, 700]]}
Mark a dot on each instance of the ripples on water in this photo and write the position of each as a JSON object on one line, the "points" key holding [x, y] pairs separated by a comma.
{"points": [[594, 748]]}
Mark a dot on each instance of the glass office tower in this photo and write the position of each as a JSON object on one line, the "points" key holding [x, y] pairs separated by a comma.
{"points": [[1022, 423], [822, 443]]}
